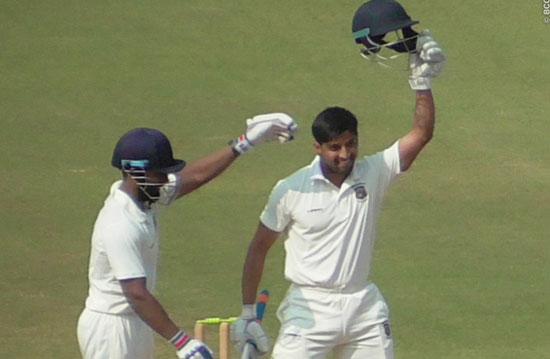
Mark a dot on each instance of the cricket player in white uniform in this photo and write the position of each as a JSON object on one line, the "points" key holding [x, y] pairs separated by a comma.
{"points": [[121, 310], [329, 210]]}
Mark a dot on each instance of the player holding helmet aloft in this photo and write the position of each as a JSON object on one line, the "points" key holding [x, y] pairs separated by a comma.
{"points": [[329, 211], [121, 311]]}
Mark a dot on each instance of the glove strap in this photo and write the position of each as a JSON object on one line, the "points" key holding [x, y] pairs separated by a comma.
{"points": [[180, 339], [241, 145], [420, 83]]}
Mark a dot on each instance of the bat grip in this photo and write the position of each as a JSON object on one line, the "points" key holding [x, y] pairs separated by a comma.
{"points": [[261, 304], [260, 311]]}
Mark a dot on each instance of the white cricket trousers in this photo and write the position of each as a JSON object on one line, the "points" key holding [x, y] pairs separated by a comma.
{"points": [[108, 336], [316, 322]]}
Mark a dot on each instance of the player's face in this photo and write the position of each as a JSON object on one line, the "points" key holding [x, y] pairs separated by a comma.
{"points": [[338, 156], [156, 177], [155, 181]]}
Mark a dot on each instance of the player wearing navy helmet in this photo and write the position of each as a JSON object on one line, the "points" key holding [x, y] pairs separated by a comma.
{"points": [[121, 311]]}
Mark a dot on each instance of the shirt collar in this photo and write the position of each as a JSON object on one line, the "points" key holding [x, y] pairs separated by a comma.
{"points": [[317, 172], [129, 205]]}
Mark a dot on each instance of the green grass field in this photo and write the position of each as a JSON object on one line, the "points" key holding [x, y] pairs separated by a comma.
{"points": [[463, 255]]}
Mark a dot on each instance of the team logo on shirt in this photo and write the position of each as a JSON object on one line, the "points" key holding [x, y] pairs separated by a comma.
{"points": [[360, 191]]}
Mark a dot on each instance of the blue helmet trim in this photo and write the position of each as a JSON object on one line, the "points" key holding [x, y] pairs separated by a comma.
{"points": [[141, 164], [361, 33]]}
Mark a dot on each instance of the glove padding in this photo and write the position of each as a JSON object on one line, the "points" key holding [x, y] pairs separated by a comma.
{"points": [[266, 128], [271, 126], [250, 352], [195, 349], [426, 63], [247, 330]]}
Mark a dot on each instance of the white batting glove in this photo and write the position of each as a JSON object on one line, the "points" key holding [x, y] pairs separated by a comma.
{"points": [[265, 128], [247, 330], [426, 63], [250, 352], [188, 348]]}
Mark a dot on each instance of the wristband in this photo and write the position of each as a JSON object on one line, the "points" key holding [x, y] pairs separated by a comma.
{"points": [[420, 83], [180, 339], [248, 312], [241, 145], [232, 144]]}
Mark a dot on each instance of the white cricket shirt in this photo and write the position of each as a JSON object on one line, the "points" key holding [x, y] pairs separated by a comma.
{"points": [[125, 245], [331, 230]]}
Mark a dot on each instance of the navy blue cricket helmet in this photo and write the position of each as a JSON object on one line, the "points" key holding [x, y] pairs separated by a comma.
{"points": [[376, 18]]}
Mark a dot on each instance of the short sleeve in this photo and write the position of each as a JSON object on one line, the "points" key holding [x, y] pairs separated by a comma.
{"points": [[392, 162], [275, 215], [384, 168], [123, 250]]}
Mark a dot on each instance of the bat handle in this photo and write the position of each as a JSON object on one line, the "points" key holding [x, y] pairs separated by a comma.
{"points": [[247, 350], [260, 311], [263, 298]]}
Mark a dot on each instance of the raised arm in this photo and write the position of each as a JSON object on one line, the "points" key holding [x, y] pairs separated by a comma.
{"points": [[413, 142], [260, 129], [425, 63], [202, 171]]}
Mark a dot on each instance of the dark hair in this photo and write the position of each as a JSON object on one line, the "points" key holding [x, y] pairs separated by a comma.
{"points": [[333, 122]]}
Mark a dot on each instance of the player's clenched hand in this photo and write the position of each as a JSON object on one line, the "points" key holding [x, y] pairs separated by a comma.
{"points": [[195, 349], [247, 330], [269, 127], [265, 128], [426, 63]]}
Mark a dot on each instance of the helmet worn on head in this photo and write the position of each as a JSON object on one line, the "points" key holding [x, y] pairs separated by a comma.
{"points": [[375, 18], [141, 150], [146, 149]]}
